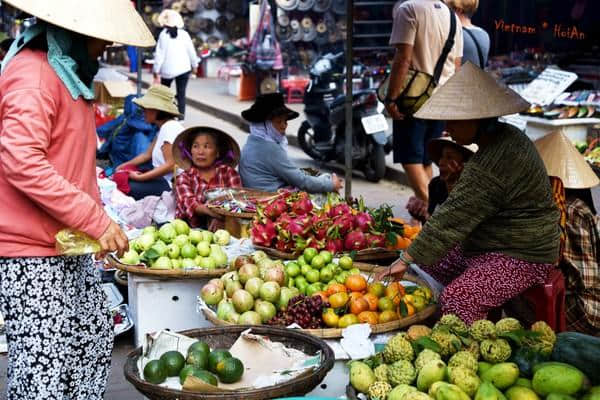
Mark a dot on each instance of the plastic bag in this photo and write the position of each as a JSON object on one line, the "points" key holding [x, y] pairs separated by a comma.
{"points": [[75, 243]]}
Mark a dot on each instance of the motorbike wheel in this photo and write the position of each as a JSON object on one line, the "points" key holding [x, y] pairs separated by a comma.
{"points": [[306, 140], [375, 166]]}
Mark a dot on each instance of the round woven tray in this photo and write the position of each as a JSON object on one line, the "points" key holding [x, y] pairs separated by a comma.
{"points": [[224, 337], [334, 333], [362, 255], [241, 194], [142, 270]]}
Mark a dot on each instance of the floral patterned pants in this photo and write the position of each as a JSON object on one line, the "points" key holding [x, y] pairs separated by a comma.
{"points": [[475, 285], [58, 327]]}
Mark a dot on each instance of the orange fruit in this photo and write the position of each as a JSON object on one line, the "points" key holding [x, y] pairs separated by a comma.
{"points": [[385, 304], [358, 305], [402, 243], [410, 310], [347, 320], [395, 291], [336, 288], [338, 300], [322, 294], [355, 295], [356, 283], [387, 316], [373, 300], [377, 289], [368, 317]]}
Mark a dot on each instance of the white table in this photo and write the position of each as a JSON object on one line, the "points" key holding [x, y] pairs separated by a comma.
{"points": [[574, 128], [164, 304]]}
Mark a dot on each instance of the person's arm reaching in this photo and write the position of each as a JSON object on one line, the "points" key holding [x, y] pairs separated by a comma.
{"points": [[160, 171], [294, 176]]}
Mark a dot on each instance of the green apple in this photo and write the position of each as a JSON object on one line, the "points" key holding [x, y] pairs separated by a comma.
{"points": [[195, 236], [208, 263], [304, 269], [309, 254], [188, 263], [167, 233], [188, 251], [300, 280], [326, 274], [312, 289], [317, 262], [203, 249], [222, 237], [301, 261], [345, 262], [354, 271], [162, 263], [149, 229], [173, 251], [293, 269], [302, 287], [161, 248], [130, 257], [180, 240], [145, 241], [207, 236], [198, 260], [312, 276], [176, 263], [327, 256], [181, 227]]}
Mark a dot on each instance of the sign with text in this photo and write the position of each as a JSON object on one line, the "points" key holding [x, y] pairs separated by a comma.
{"points": [[548, 86]]}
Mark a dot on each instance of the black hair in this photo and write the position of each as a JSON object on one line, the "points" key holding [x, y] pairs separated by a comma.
{"points": [[172, 31], [222, 145], [584, 195], [164, 116]]}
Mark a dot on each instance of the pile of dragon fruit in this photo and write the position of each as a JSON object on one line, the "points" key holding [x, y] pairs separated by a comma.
{"points": [[291, 223]]}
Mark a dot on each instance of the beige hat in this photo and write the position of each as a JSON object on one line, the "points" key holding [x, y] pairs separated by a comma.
{"points": [[564, 161], [435, 147], [229, 150], [170, 18], [159, 97], [469, 94], [110, 20]]}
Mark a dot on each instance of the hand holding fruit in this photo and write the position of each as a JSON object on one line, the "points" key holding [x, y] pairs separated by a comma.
{"points": [[396, 270], [337, 182], [113, 239]]}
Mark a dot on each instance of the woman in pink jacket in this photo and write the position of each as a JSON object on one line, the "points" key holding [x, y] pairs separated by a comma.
{"points": [[58, 326]]}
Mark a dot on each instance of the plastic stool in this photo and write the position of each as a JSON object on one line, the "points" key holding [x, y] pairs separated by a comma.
{"points": [[294, 89], [548, 301]]}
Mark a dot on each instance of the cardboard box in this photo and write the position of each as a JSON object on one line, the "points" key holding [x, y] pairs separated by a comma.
{"points": [[113, 92]]}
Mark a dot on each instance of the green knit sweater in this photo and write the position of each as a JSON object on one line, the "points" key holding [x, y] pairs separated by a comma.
{"points": [[501, 203]]}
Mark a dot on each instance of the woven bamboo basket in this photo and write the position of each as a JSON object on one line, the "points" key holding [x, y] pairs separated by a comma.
{"points": [[142, 270], [224, 337], [334, 333], [242, 193], [362, 255]]}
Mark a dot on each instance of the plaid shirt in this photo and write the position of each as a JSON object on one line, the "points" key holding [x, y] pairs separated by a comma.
{"points": [[581, 263], [190, 188]]}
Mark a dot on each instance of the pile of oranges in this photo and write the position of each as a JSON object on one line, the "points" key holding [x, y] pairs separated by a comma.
{"points": [[357, 301], [409, 233]]}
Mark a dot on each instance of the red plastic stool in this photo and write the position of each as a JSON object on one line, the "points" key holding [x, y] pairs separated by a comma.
{"points": [[294, 89], [548, 301]]}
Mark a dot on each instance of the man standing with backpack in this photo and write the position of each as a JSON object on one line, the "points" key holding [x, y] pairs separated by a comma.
{"points": [[428, 40]]}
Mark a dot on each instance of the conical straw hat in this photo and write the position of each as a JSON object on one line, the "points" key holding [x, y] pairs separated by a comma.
{"points": [[159, 97], [170, 18], [469, 94], [110, 20], [564, 161]]}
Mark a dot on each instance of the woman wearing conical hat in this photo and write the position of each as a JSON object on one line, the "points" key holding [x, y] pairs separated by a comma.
{"points": [[581, 255], [497, 234], [58, 327]]}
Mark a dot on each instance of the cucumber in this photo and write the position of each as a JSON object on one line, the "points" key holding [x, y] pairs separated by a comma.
{"points": [[580, 351]]}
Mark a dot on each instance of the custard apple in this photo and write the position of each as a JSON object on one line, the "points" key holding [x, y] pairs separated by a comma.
{"points": [[544, 343], [449, 342], [381, 373], [453, 323], [398, 348], [483, 329], [473, 348], [401, 372], [417, 331], [465, 379], [379, 390], [464, 359], [495, 350], [508, 325], [424, 357]]}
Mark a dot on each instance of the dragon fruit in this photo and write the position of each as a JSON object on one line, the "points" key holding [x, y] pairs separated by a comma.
{"points": [[376, 240], [284, 220], [344, 223], [339, 210], [334, 245], [283, 244], [355, 240], [299, 226], [263, 234], [302, 206], [363, 221], [275, 208], [320, 225]]}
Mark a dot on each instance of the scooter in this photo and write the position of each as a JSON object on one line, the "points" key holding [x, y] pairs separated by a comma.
{"points": [[322, 135]]}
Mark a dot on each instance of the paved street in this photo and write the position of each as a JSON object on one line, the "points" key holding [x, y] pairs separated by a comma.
{"points": [[374, 194]]}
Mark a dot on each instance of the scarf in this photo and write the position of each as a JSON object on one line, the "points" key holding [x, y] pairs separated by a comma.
{"points": [[67, 55], [266, 131]]}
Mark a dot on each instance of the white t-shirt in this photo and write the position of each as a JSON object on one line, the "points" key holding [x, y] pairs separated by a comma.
{"points": [[167, 134], [174, 57]]}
